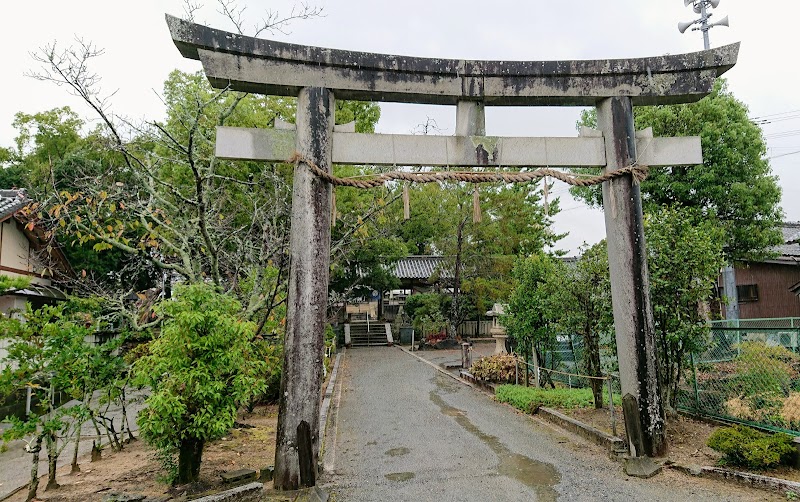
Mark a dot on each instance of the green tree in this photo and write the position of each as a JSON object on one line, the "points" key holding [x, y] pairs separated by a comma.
{"points": [[43, 346], [734, 185], [684, 257], [201, 369], [584, 293], [12, 283], [166, 206], [531, 312]]}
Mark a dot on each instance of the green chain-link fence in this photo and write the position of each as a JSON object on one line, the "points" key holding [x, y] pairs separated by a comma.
{"points": [[749, 373], [565, 357]]}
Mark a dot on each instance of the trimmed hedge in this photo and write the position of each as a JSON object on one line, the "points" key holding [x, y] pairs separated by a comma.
{"points": [[528, 398]]}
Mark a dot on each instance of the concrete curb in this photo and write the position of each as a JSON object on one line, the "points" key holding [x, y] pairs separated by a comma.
{"points": [[326, 400], [486, 386], [13, 492], [616, 446], [776, 485]]}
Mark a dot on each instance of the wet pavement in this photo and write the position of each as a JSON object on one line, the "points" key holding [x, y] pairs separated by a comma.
{"points": [[405, 431]]}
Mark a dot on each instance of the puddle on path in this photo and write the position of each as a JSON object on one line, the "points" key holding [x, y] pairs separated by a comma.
{"points": [[540, 476], [400, 476], [398, 452]]}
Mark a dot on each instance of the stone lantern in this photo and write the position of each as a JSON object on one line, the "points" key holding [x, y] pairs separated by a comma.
{"points": [[498, 331]]}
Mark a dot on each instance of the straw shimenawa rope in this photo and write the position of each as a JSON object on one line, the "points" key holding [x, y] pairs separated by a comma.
{"points": [[638, 172]]}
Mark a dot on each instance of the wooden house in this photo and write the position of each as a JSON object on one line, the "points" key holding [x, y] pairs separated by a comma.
{"points": [[770, 288]]}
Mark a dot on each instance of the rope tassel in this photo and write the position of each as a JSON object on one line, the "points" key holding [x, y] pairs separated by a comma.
{"points": [[476, 205], [406, 203], [333, 208], [546, 193]]}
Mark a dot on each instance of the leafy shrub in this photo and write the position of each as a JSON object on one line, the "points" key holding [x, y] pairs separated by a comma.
{"points": [[747, 447], [200, 369], [528, 398], [496, 368]]}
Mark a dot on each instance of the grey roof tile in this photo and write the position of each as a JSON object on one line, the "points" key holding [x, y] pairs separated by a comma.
{"points": [[791, 240], [420, 267], [12, 201]]}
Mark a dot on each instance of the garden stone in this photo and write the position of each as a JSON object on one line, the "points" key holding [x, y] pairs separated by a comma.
{"points": [[123, 497], [238, 475], [641, 467]]}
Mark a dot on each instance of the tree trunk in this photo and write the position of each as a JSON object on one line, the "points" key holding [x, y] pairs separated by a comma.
{"points": [[126, 423], [97, 453], [190, 455], [455, 315], [34, 484], [75, 467], [52, 459], [526, 355]]}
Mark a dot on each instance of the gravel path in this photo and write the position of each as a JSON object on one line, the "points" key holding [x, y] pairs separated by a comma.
{"points": [[404, 431]]}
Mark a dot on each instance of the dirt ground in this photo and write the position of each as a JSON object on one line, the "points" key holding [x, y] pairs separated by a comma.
{"points": [[686, 439], [134, 470]]}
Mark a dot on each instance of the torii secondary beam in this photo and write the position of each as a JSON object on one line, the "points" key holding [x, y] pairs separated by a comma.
{"points": [[276, 145]]}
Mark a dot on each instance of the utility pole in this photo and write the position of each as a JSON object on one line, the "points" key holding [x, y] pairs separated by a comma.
{"points": [[702, 7]]}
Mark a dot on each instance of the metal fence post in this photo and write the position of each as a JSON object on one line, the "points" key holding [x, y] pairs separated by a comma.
{"points": [[696, 390], [738, 342], [611, 407]]}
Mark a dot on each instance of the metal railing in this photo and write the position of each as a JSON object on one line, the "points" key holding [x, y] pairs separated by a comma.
{"points": [[539, 370]]}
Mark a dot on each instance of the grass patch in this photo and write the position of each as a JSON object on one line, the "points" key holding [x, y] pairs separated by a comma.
{"points": [[527, 398]]}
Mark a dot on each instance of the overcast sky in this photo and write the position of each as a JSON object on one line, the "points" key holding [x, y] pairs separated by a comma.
{"points": [[139, 54]]}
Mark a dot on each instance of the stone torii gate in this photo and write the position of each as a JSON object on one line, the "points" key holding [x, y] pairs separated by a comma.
{"points": [[315, 75]]}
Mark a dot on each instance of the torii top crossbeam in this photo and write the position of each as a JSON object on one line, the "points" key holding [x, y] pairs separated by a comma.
{"points": [[276, 68]]}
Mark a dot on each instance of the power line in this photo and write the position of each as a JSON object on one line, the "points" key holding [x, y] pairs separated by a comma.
{"points": [[784, 155], [770, 115]]}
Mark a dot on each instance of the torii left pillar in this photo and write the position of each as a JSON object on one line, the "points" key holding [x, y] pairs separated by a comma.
{"points": [[309, 247]]}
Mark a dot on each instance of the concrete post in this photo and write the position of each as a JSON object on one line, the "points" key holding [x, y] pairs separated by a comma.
{"points": [[630, 285], [730, 293], [308, 287], [470, 118]]}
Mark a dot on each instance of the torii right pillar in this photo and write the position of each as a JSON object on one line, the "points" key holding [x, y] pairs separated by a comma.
{"points": [[630, 285]]}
